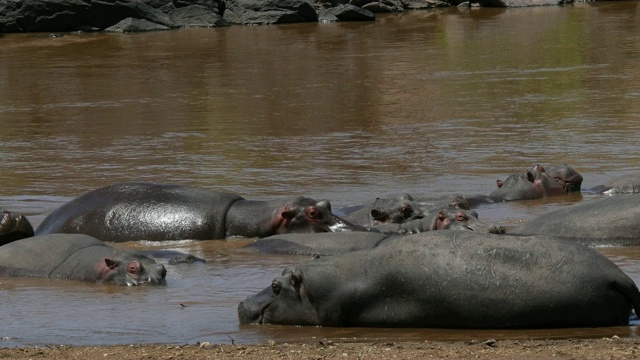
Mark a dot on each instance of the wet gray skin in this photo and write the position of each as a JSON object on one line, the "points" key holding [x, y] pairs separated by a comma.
{"points": [[625, 184], [442, 220], [395, 210], [78, 257], [157, 212], [609, 221], [451, 279]]}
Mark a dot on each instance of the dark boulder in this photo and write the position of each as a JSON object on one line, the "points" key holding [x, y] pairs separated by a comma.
{"points": [[195, 16], [135, 25], [346, 12], [104, 14], [41, 15], [262, 12]]}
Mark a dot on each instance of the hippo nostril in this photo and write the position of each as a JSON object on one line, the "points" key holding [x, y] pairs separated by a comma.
{"points": [[162, 271]]}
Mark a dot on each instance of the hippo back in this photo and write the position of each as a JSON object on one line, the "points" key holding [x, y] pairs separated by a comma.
{"points": [[318, 243], [608, 221], [452, 279], [140, 211], [77, 257]]}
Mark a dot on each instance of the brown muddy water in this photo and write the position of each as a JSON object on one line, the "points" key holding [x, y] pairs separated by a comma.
{"points": [[436, 102]]}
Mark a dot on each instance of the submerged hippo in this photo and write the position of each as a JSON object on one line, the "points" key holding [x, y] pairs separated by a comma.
{"points": [[141, 211], [606, 221], [451, 280], [387, 210], [536, 183], [14, 227], [78, 257], [625, 184], [445, 219]]}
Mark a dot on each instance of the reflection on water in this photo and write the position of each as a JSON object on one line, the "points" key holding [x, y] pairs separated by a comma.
{"points": [[426, 102]]}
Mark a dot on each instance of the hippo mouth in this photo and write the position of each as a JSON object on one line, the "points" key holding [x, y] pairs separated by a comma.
{"points": [[247, 316]]}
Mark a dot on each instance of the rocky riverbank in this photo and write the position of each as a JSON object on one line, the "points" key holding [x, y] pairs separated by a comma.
{"points": [[146, 15]]}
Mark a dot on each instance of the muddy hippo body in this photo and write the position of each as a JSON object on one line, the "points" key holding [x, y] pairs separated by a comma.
{"points": [[78, 257], [606, 221], [141, 211], [14, 227], [451, 279]]}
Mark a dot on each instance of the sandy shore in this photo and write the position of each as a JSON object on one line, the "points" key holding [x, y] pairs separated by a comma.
{"points": [[605, 348]]}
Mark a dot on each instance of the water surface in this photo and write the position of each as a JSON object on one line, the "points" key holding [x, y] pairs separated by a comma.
{"points": [[430, 102]]}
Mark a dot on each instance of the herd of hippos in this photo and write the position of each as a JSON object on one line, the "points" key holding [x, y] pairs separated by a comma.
{"points": [[380, 265]]}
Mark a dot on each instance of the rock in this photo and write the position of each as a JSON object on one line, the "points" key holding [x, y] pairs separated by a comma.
{"points": [[195, 16], [135, 25], [254, 12], [41, 15], [346, 12], [104, 14], [521, 3]]}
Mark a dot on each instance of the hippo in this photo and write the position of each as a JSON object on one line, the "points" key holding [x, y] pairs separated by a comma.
{"points": [[444, 219], [536, 183], [625, 184], [318, 244], [78, 257], [387, 210], [451, 279], [146, 211], [339, 243], [602, 221], [14, 227], [566, 176]]}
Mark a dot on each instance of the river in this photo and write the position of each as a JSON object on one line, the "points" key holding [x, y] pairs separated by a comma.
{"points": [[438, 102]]}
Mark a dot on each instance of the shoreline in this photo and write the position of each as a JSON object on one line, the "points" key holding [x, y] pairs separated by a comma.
{"points": [[611, 348]]}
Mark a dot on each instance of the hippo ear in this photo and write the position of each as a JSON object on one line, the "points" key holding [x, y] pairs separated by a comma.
{"points": [[112, 264], [295, 279], [288, 213], [324, 204], [407, 197]]}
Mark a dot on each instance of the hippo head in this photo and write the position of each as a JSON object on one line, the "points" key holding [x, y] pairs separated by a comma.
{"points": [[285, 302], [305, 215], [566, 177], [395, 211], [133, 269], [462, 220], [519, 186], [14, 228]]}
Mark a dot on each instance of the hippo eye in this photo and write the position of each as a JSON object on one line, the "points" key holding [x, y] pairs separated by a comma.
{"points": [[313, 213], [275, 287], [461, 217]]}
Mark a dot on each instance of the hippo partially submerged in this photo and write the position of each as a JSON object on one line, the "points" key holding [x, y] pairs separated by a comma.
{"points": [[78, 257], [451, 279], [605, 221], [142, 211], [537, 183], [624, 184]]}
